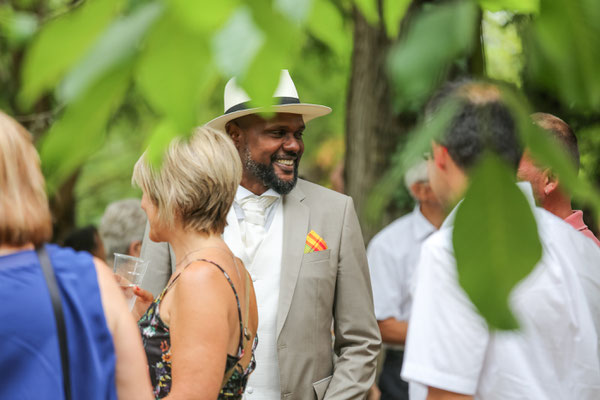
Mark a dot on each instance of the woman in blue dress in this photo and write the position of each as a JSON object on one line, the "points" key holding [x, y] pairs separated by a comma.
{"points": [[105, 354]]}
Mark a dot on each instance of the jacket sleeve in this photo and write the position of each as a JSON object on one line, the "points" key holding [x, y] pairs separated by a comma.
{"points": [[159, 270], [357, 337]]}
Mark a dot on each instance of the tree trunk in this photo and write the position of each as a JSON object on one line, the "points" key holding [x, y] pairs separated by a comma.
{"points": [[373, 129]]}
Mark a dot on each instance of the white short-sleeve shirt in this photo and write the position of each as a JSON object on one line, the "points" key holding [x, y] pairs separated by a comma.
{"points": [[393, 257], [553, 356]]}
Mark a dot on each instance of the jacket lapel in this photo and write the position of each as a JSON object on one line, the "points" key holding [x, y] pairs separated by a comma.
{"points": [[295, 228]]}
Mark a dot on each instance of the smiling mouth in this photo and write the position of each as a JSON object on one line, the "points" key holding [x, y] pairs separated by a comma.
{"points": [[286, 162]]}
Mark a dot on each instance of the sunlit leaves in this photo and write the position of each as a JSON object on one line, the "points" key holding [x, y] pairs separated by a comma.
{"points": [[159, 140], [173, 72], [368, 8], [236, 45], [294, 10], [62, 42], [495, 241], [327, 24], [437, 37], [203, 16], [282, 45], [517, 6], [79, 132], [17, 27], [407, 155], [563, 51], [118, 44], [393, 12]]}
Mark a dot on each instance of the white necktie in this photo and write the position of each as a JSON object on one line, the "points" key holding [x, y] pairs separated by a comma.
{"points": [[253, 227]]}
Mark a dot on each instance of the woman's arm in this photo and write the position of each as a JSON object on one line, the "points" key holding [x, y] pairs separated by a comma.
{"points": [[200, 322], [132, 377]]}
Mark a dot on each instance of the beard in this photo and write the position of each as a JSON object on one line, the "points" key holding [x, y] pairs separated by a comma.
{"points": [[266, 174]]}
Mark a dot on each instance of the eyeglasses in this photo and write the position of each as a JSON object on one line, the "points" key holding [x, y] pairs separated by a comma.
{"points": [[427, 156]]}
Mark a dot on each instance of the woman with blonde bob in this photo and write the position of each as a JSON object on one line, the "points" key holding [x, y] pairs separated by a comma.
{"points": [[200, 332], [103, 353]]}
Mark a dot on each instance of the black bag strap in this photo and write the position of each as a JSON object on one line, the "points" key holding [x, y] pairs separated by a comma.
{"points": [[58, 316]]}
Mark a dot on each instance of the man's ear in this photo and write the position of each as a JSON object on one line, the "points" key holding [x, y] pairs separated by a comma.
{"points": [[234, 132], [550, 181], [440, 156]]}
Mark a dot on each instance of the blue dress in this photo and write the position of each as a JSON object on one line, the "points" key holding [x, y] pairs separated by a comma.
{"points": [[29, 352]]}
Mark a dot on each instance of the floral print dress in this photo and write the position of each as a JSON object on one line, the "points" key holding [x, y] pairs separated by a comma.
{"points": [[157, 343]]}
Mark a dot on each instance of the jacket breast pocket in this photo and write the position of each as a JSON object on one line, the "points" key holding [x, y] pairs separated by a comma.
{"points": [[316, 256]]}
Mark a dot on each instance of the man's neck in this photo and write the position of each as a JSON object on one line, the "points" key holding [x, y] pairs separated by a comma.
{"points": [[255, 187], [558, 205], [433, 213]]}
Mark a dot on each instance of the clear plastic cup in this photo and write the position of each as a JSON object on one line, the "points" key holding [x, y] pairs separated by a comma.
{"points": [[129, 272]]}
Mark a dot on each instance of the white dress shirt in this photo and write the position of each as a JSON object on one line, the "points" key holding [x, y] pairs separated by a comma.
{"points": [[393, 257], [553, 356]]}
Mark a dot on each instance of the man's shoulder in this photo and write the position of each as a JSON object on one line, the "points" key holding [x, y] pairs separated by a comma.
{"points": [[558, 235], [312, 191], [394, 229]]}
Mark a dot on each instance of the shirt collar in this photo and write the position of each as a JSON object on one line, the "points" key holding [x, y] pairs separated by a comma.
{"points": [[576, 220], [242, 193], [421, 227], [525, 188]]}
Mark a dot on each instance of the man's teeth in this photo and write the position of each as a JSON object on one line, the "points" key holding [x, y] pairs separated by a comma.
{"points": [[285, 162]]}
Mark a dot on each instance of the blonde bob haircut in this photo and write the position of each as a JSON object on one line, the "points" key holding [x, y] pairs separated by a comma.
{"points": [[196, 182], [24, 213]]}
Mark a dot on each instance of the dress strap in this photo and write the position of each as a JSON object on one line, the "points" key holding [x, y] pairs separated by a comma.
{"points": [[237, 299]]}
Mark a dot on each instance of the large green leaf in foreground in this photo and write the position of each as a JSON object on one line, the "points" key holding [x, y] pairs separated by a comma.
{"points": [[495, 241]]}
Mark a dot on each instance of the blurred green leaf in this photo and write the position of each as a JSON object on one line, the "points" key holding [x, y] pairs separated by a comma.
{"points": [[159, 141], [295, 10], [407, 155], [393, 12], [369, 9], [62, 42], [283, 42], [174, 72], [17, 26], [79, 132], [495, 240], [202, 15], [563, 52], [517, 6], [326, 23], [118, 44], [236, 45], [437, 36]]}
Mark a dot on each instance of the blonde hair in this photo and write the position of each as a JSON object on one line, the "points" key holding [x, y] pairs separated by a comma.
{"points": [[196, 182], [24, 213]]}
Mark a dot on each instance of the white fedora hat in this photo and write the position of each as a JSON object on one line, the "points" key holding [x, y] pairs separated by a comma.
{"points": [[236, 103]]}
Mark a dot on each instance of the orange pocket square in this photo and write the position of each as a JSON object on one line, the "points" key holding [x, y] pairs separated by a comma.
{"points": [[314, 242]]}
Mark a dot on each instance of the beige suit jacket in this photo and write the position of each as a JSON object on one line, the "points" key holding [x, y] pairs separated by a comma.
{"points": [[316, 290]]}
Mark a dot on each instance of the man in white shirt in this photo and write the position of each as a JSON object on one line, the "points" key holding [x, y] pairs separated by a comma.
{"points": [[393, 256], [449, 346], [303, 247]]}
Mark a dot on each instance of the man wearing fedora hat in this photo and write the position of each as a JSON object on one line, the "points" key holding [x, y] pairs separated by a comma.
{"points": [[303, 247]]}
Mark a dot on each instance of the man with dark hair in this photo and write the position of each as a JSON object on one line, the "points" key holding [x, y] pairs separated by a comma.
{"points": [[450, 348], [545, 184], [303, 247]]}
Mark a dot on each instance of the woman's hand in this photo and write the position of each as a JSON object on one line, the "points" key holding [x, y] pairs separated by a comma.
{"points": [[143, 301]]}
